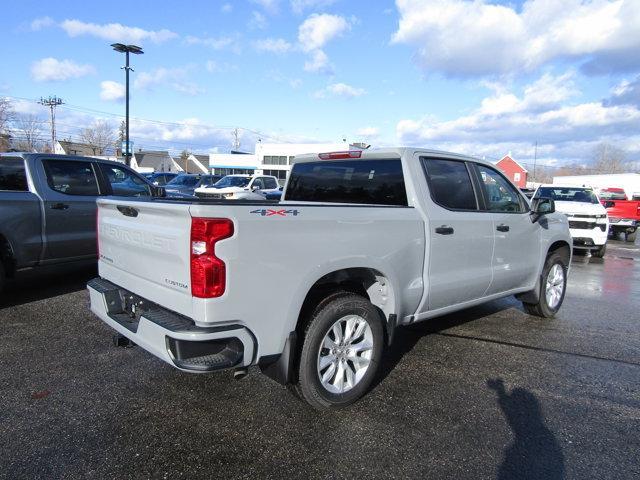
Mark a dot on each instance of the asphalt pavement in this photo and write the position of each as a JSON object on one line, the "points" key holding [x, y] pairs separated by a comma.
{"points": [[488, 392]]}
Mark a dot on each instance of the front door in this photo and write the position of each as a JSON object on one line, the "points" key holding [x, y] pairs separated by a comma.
{"points": [[517, 239]]}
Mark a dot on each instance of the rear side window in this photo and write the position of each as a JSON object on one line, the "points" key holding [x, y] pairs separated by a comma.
{"points": [[12, 175], [450, 184], [71, 177], [376, 182], [270, 183]]}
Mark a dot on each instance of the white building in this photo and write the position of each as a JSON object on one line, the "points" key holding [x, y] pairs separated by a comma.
{"points": [[630, 182], [270, 158]]}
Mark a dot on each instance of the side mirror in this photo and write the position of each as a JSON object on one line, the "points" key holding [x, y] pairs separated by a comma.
{"points": [[255, 187], [609, 204], [542, 206]]}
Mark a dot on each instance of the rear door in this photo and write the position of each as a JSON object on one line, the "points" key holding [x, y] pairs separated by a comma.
{"points": [[69, 208], [460, 236], [516, 252]]}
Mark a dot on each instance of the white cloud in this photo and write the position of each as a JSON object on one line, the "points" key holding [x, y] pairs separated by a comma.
{"points": [[340, 90], [215, 43], [626, 92], [368, 132], [270, 6], [42, 22], [466, 38], [318, 63], [299, 6], [112, 91], [175, 78], [273, 45], [226, 8], [51, 69], [258, 21], [318, 29], [116, 32], [508, 121], [214, 67]]}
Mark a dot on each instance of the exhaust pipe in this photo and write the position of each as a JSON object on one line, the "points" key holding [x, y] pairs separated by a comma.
{"points": [[240, 373]]}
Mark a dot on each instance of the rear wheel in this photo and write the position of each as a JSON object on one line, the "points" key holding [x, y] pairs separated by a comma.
{"points": [[554, 285], [341, 351], [631, 237]]}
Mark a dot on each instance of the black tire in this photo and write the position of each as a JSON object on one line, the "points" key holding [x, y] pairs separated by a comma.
{"points": [[542, 308], [630, 237], [335, 307], [599, 252], [2, 277]]}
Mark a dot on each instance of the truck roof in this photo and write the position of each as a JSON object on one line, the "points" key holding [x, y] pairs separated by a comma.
{"points": [[393, 152]]}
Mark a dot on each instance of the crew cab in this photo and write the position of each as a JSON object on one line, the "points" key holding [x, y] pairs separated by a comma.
{"points": [[48, 208], [624, 214], [240, 187], [312, 289], [588, 220]]}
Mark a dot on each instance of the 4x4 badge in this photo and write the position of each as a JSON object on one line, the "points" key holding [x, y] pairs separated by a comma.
{"points": [[264, 212]]}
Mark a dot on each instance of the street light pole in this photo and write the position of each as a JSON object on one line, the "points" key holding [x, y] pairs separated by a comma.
{"points": [[126, 49]]}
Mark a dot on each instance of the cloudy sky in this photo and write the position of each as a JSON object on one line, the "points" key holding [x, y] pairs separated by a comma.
{"points": [[478, 77]]}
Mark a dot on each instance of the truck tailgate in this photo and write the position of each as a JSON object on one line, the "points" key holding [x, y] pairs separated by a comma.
{"points": [[144, 248]]}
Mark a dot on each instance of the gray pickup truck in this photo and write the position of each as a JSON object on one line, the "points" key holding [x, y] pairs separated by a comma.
{"points": [[48, 207]]}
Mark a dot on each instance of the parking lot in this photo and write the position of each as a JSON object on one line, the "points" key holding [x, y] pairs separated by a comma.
{"points": [[488, 392]]}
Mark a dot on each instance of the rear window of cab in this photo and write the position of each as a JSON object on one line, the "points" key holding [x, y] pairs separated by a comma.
{"points": [[373, 182]]}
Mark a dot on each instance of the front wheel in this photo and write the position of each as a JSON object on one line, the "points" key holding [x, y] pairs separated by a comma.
{"points": [[553, 288], [599, 252], [341, 351], [630, 237]]}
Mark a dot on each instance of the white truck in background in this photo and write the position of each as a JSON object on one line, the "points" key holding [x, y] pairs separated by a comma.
{"points": [[311, 289], [239, 187], [588, 219]]}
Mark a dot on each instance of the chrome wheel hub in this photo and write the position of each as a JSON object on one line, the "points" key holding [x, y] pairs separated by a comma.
{"points": [[345, 354], [554, 287]]}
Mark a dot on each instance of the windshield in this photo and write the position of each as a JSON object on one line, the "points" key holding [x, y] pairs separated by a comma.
{"points": [[230, 181], [568, 194], [612, 195], [184, 181], [208, 180]]}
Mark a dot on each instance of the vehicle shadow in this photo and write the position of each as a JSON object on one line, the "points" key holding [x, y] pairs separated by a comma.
{"points": [[535, 453], [33, 286], [406, 337]]}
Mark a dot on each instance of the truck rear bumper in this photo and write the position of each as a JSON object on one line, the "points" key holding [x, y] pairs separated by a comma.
{"points": [[169, 336]]}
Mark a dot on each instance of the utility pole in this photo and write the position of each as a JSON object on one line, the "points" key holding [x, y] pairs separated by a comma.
{"points": [[52, 103], [236, 139], [535, 160]]}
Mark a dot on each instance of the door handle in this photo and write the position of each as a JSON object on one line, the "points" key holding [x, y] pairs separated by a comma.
{"points": [[444, 230], [502, 228], [59, 206]]}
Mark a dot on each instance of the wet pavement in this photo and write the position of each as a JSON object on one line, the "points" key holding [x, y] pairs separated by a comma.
{"points": [[489, 392]]}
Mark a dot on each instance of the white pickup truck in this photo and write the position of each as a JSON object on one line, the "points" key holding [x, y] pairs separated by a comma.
{"points": [[312, 289]]}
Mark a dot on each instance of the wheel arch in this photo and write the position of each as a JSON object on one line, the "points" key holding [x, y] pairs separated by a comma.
{"points": [[7, 257]]}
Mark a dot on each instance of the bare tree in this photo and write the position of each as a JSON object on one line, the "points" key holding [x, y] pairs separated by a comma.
{"points": [[98, 137], [609, 159], [6, 116], [28, 128]]}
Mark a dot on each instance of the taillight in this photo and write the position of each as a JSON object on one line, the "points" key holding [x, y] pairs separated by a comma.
{"points": [[638, 210], [208, 272], [339, 155]]}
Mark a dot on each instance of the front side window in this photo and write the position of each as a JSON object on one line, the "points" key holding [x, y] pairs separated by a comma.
{"points": [[500, 195], [450, 184], [13, 176], [71, 177], [258, 183], [270, 183], [377, 182], [125, 183]]}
